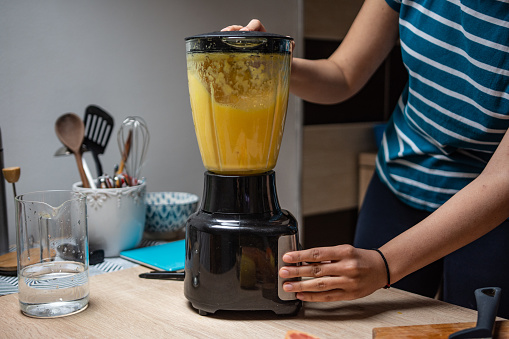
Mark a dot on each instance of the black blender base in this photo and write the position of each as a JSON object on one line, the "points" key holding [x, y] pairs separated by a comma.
{"points": [[234, 246], [290, 310]]}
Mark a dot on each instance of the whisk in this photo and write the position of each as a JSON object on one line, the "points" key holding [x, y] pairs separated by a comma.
{"points": [[133, 139]]}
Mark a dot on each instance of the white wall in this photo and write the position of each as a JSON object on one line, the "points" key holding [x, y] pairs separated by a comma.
{"points": [[127, 56]]}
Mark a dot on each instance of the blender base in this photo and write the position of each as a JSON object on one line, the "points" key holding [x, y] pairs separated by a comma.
{"points": [[280, 310], [234, 247]]}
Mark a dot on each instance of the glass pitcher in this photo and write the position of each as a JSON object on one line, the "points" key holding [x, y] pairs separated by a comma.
{"points": [[239, 87]]}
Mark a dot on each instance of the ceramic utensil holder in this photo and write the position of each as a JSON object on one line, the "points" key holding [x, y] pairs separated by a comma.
{"points": [[116, 217]]}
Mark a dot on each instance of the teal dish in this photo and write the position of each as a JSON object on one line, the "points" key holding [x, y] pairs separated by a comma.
{"points": [[167, 212]]}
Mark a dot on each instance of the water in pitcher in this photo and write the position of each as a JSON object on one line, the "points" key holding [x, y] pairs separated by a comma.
{"points": [[54, 288]]}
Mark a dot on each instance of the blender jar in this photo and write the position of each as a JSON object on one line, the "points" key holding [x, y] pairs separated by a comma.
{"points": [[239, 86]]}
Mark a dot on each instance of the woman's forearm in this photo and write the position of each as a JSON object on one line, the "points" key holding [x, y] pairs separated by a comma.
{"points": [[319, 81], [371, 37], [469, 214]]}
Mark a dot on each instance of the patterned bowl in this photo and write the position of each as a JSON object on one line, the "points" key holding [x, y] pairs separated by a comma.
{"points": [[167, 213]]}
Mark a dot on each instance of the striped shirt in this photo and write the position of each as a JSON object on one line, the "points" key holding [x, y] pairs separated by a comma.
{"points": [[454, 109]]}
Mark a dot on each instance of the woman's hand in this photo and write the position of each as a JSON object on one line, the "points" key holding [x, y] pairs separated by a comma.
{"points": [[253, 25], [339, 273]]}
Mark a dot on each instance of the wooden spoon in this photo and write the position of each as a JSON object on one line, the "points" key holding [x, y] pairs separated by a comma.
{"points": [[70, 129]]}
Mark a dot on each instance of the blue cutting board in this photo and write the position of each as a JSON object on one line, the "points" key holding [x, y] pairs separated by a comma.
{"points": [[165, 257]]}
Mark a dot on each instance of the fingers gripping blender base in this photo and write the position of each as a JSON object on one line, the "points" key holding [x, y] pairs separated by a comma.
{"points": [[238, 86]]}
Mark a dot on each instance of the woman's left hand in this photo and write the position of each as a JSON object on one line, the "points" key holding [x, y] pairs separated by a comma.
{"points": [[339, 273], [253, 25]]}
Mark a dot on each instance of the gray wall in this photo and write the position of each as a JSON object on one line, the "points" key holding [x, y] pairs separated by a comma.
{"points": [[127, 56]]}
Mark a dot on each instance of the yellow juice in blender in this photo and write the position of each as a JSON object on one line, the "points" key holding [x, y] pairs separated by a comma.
{"points": [[239, 103]]}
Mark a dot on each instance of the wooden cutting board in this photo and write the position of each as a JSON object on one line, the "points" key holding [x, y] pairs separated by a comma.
{"points": [[8, 261], [435, 331]]}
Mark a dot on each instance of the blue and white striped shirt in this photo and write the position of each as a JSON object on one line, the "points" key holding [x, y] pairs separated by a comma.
{"points": [[454, 110]]}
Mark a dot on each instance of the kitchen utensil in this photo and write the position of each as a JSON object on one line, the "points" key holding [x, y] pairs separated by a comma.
{"points": [[11, 174], [71, 132], [64, 151], [9, 266], [88, 174], [487, 300], [115, 216], [136, 128], [49, 285], [238, 86], [61, 151], [169, 256], [98, 129], [8, 262], [125, 152], [435, 331], [165, 275], [487, 305]]}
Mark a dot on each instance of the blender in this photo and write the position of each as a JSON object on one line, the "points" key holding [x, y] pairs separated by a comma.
{"points": [[239, 87]]}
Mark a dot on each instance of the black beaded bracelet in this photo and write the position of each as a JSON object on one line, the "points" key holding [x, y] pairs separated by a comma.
{"points": [[386, 268]]}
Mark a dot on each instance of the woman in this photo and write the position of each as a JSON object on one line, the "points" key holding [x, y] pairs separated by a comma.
{"points": [[436, 209]]}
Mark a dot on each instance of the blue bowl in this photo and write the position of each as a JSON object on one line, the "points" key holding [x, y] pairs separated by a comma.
{"points": [[167, 212]]}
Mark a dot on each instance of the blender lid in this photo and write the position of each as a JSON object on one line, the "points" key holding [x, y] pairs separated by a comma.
{"points": [[239, 34], [238, 42]]}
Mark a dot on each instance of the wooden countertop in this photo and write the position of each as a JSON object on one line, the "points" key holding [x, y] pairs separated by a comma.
{"points": [[125, 306]]}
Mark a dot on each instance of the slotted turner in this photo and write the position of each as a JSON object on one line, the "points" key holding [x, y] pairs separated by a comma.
{"points": [[98, 128]]}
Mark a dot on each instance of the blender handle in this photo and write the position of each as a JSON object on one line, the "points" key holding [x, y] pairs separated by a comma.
{"points": [[286, 243]]}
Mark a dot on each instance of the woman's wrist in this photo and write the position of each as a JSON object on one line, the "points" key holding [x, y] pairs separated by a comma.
{"points": [[387, 270]]}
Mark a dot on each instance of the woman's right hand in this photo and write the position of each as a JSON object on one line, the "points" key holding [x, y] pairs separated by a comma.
{"points": [[253, 25]]}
